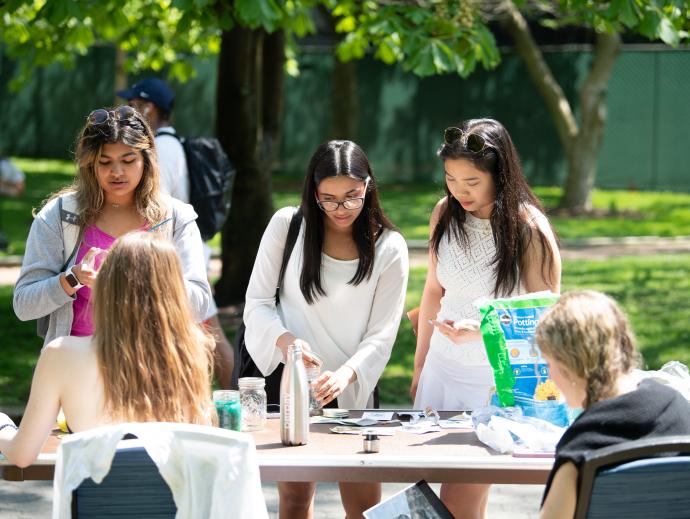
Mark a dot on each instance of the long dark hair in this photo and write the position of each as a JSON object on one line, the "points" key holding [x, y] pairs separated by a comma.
{"points": [[332, 159], [509, 221]]}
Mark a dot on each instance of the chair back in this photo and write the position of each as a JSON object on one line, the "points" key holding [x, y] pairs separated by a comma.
{"points": [[639, 479], [170, 469], [132, 488]]}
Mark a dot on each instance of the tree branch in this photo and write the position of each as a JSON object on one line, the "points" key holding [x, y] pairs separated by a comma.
{"points": [[606, 49], [549, 89]]}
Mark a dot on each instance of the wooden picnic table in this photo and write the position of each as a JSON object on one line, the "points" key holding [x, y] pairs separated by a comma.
{"points": [[451, 456]]}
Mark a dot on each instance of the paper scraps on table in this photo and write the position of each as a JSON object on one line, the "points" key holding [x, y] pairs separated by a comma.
{"points": [[381, 431], [351, 422], [422, 427], [381, 416]]}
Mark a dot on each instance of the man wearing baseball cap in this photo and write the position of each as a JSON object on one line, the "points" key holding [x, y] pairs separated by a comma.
{"points": [[154, 99]]}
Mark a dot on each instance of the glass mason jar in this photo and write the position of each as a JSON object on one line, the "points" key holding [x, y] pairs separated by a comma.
{"points": [[253, 399], [314, 404]]}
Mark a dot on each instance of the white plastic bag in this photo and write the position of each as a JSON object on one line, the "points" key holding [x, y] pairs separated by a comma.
{"points": [[505, 429]]}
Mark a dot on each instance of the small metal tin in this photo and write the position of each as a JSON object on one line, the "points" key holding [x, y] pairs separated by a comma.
{"points": [[372, 443]]}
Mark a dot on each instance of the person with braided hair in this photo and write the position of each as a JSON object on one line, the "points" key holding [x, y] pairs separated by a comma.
{"points": [[587, 342]]}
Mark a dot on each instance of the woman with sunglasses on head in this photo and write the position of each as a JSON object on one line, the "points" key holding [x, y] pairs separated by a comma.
{"points": [[147, 360], [115, 192], [488, 238], [341, 298]]}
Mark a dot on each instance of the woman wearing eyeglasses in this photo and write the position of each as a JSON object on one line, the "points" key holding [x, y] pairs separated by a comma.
{"points": [[488, 238], [115, 192], [341, 298]]}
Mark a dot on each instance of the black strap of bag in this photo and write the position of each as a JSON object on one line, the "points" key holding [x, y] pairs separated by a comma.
{"points": [[247, 367]]}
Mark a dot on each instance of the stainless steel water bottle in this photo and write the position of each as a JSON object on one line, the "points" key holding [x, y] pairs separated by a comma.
{"points": [[294, 399]]}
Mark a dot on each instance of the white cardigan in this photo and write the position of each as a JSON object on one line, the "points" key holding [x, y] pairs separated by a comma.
{"points": [[352, 325]]}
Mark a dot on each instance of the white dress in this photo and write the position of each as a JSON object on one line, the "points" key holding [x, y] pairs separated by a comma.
{"points": [[353, 325], [458, 376]]}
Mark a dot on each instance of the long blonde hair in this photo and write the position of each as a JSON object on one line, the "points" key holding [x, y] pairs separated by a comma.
{"points": [[126, 126], [588, 333], [155, 361]]}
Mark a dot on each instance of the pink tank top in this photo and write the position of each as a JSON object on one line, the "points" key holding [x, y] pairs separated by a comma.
{"points": [[82, 323]]}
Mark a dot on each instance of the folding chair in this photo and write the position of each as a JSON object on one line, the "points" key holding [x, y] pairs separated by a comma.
{"points": [[133, 488], [638, 479], [209, 471]]}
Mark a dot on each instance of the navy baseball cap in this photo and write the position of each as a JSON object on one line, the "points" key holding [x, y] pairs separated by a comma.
{"points": [[153, 89]]}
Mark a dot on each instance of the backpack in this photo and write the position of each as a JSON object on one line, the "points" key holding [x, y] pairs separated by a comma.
{"points": [[211, 179]]}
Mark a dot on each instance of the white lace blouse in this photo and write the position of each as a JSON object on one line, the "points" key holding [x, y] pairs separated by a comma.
{"points": [[466, 273]]}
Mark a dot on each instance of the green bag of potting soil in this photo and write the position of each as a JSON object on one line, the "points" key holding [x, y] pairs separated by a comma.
{"points": [[508, 326]]}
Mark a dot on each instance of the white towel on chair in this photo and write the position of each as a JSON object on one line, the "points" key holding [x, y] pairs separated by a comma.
{"points": [[209, 470]]}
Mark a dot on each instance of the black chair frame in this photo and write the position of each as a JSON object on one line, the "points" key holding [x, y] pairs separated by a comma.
{"points": [[608, 457]]}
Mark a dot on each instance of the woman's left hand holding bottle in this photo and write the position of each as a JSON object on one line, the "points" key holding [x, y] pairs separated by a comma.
{"points": [[85, 271]]}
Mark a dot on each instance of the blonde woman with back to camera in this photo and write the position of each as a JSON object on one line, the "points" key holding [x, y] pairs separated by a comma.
{"points": [[587, 342], [147, 361]]}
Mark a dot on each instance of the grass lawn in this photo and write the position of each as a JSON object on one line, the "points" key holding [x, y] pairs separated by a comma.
{"points": [[654, 290], [627, 213]]}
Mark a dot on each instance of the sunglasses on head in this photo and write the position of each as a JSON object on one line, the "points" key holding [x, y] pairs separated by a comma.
{"points": [[473, 142], [102, 115]]}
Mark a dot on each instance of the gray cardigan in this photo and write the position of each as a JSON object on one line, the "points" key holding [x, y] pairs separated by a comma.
{"points": [[38, 291]]}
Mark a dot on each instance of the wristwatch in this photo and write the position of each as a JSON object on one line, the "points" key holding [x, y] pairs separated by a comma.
{"points": [[72, 279]]}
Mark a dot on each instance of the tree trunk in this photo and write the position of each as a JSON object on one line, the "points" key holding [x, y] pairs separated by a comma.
{"points": [[582, 144], [551, 92], [273, 81], [239, 128], [345, 107], [344, 102], [582, 158], [120, 74]]}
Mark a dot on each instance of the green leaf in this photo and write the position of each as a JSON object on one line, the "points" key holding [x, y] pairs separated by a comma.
{"points": [[346, 24], [353, 46], [649, 26], [486, 50], [627, 13], [422, 62], [668, 33], [387, 52], [259, 13]]}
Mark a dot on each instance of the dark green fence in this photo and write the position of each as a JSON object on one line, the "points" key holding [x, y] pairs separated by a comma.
{"points": [[401, 116]]}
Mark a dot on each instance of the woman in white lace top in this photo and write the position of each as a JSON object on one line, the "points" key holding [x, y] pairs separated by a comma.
{"points": [[488, 238]]}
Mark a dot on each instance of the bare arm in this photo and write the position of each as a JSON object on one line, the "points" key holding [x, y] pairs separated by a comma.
{"points": [[23, 446], [535, 276], [429, 306], [562, 497]]}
